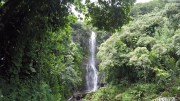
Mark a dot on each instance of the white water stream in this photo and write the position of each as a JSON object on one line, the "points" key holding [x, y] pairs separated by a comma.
{"points": [[91, 71]]}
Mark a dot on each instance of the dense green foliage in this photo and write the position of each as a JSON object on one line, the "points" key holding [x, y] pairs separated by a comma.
{"points": [[142, 61], [111, 16], [35, 61], [38, 59], [42, 49]]}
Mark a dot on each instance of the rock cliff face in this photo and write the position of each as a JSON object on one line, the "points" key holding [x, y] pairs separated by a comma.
{"points": [[81, 35]]}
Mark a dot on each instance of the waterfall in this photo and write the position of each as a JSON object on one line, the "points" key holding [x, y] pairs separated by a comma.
{"points": [[91, 71]]}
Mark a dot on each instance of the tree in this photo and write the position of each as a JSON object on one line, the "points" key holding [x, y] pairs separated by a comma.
{"points": [[38, 60], [145, 8], [33, 42], [150, 41], [109, 15]]}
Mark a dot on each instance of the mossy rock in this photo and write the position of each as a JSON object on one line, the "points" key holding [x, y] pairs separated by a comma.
{"points": [[151, 96], [165, 94]]}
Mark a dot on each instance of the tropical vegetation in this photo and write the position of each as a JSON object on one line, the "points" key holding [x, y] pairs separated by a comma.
{"points": [[141, 62], [39, 60], [43, 47]]}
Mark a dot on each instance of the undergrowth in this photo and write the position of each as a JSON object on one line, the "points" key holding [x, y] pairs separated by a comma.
{"points": [[133, 92]]}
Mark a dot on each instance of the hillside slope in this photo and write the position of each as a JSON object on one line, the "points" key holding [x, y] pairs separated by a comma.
{"points": [[141, 62]]}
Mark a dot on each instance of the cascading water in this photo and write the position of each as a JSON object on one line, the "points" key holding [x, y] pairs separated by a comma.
{"points": [[91, 71]]}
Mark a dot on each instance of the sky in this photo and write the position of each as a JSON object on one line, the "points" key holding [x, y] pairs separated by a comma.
{"points": [[142, 1]]}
